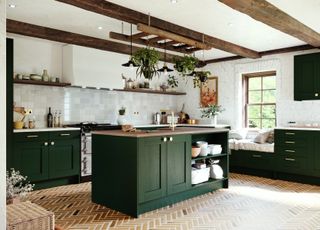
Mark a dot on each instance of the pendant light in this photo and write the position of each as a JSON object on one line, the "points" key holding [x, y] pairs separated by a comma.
{"points": [[130, 63], [165, 69]]}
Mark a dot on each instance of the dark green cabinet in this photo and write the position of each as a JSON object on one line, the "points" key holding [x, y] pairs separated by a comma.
{"points": [[43, 156], [307, 77], [316, 162], [159, 159]]}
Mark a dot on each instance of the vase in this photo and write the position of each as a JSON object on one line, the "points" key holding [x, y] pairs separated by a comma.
{"points": [[214, 120], [45, 76], [121, 120]]}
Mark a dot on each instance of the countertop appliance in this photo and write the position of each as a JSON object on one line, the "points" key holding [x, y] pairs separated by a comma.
{"points": [[86, 144]]}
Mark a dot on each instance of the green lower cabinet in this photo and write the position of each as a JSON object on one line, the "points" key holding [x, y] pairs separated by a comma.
{"points": [[316, 162], [152, 169], [31, 159], [47, 156]]}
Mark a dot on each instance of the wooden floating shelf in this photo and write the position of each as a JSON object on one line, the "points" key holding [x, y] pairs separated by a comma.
{"points": [[46, 83], [150, 91]]}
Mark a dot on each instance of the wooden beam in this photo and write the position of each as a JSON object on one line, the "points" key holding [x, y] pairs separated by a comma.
{"points": [[264, 53], [139, 35], [31, 30], [172, 36], [126, 38], [155, 40], [125, 14], [265, 12]]}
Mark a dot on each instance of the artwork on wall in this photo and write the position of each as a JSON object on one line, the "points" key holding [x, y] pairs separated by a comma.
{"points": [[209, 92]]}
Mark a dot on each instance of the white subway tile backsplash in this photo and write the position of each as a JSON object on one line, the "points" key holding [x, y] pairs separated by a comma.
{"points": [[77, 104]]}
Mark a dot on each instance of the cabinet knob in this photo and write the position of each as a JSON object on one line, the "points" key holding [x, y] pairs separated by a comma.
{"points": [[52, 142], [45, 143], [170, 138], [316, 94], [164, 139]]}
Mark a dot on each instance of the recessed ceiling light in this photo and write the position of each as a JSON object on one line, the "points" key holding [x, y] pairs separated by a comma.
{"points": [[173, 1], [100, 27], [12, 5], [230, 24]]}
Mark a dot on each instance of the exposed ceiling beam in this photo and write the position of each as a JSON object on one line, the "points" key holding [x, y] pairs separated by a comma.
{"points": [[264, 53], [125, 14], [139, 35], [31, 30], [267, 13], [126, 38], [165, 34]]}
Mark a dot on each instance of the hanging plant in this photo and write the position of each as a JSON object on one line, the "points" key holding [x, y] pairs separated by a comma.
{"points": [[147, 59], [172, 81], [200, 77], [186, 65]]}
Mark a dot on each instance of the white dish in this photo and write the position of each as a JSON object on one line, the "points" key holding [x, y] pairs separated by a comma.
{"points": [[36, 77]]}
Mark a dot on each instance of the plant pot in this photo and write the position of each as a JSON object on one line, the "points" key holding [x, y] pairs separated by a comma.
{"points": [[121, 120], [214, 120]]}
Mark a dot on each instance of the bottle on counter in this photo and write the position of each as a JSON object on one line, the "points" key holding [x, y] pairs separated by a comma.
{"points": [[55, 119], [49, 119], [59, 119]]}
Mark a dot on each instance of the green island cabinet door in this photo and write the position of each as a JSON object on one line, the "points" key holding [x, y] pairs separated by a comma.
{"points": [[307, 77], [178, 163], [316, 161], [152, 168], [31, 158], [64, 157]]}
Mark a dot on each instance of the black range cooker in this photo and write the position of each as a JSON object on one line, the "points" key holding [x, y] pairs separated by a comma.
{"points": [[86, 143]]}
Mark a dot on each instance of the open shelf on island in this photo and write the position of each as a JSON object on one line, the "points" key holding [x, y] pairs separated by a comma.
{"points": [[210, 156], [151, 91], [209, 182], [46, 83]]}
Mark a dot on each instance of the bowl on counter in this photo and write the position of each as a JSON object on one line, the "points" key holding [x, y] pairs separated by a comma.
{"points": [[195, 151], [192, 121], [18, 124]]}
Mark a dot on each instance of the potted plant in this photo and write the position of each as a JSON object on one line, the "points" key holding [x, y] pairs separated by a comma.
{"points": [[147, 59], [172, 82], [211, 111], [17, 186], [200, 77], [186, 65]]}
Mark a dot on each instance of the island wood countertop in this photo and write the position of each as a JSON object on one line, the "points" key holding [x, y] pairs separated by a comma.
{"points": [[160, 132]]}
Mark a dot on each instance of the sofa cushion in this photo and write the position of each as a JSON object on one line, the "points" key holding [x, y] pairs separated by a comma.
{"points": [[238, 134], [247, 144], [262, 136]]}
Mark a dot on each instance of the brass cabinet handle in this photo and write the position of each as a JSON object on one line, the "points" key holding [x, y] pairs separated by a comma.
{"points": [[170, 138], [290, 142], [64, 134], [289, 133], [256, 156], [32, 136], [290, 159], [52, 142], [164, 139], [45, 143], [290, 151]]}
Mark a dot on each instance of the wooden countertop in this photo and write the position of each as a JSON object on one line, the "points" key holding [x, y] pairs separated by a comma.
{"points": [[160, 132]]}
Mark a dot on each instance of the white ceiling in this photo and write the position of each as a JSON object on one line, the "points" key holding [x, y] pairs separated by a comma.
{"points": [[210, 17]]}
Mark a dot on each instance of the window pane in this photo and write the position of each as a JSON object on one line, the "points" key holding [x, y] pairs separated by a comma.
{"points": [[254, 83], [269, 96], [269, 82], [254, 97], [254, 111], [268, 123], [269, 111], [254, 123]]}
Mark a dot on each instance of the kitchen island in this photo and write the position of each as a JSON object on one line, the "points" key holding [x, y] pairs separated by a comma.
{"points": [[135, 172]]}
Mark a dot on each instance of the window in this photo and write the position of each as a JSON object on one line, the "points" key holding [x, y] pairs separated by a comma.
{"points": [[260, 99]]}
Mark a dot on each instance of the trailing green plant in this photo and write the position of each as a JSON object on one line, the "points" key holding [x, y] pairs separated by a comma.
{"points": [[122, 111], [17, 185], [172, 81], [200, 77], [211, 110], [147, 59], [186, 65]]}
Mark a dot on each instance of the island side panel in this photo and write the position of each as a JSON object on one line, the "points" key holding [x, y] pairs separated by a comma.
{"points": [[114, 172]]}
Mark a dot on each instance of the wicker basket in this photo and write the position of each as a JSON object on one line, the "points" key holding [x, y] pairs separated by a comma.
{"points": [[29, 216]]}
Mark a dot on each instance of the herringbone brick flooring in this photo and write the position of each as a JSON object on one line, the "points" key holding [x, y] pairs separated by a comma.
{"points": [[250, 203]]}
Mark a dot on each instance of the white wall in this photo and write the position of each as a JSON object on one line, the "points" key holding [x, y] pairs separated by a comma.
{"points": [[3, 115], [230, 90]]}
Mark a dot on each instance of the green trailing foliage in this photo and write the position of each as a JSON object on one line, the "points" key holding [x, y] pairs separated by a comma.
{"points": [[186, 65], [211, 110], [147, 59], [172, 81]]}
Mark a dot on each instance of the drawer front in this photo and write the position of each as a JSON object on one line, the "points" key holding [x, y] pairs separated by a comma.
{"points": [[293, 138], [251, 159], [293, 164], [61, 135], [30, 136], [294, 151]]}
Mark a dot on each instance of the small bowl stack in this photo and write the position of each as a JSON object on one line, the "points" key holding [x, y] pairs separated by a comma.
{"points": [[204, 150], [195, 151]]}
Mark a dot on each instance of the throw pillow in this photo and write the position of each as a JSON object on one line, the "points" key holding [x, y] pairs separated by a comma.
{"points": [[271, 137], [262, 137], [238, 134]]}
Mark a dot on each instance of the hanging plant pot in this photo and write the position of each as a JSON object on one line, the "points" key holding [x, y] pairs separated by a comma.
{"points": [[186, 65], [147, 59]]}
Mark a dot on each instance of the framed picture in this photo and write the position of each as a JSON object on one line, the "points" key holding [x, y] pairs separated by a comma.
{"points": [[209, 92]]}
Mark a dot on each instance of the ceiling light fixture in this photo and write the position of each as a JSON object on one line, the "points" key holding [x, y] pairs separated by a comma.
{"points": [[100, 27], [173, 1], [165, 69], [130, 63], [12, 5]]}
